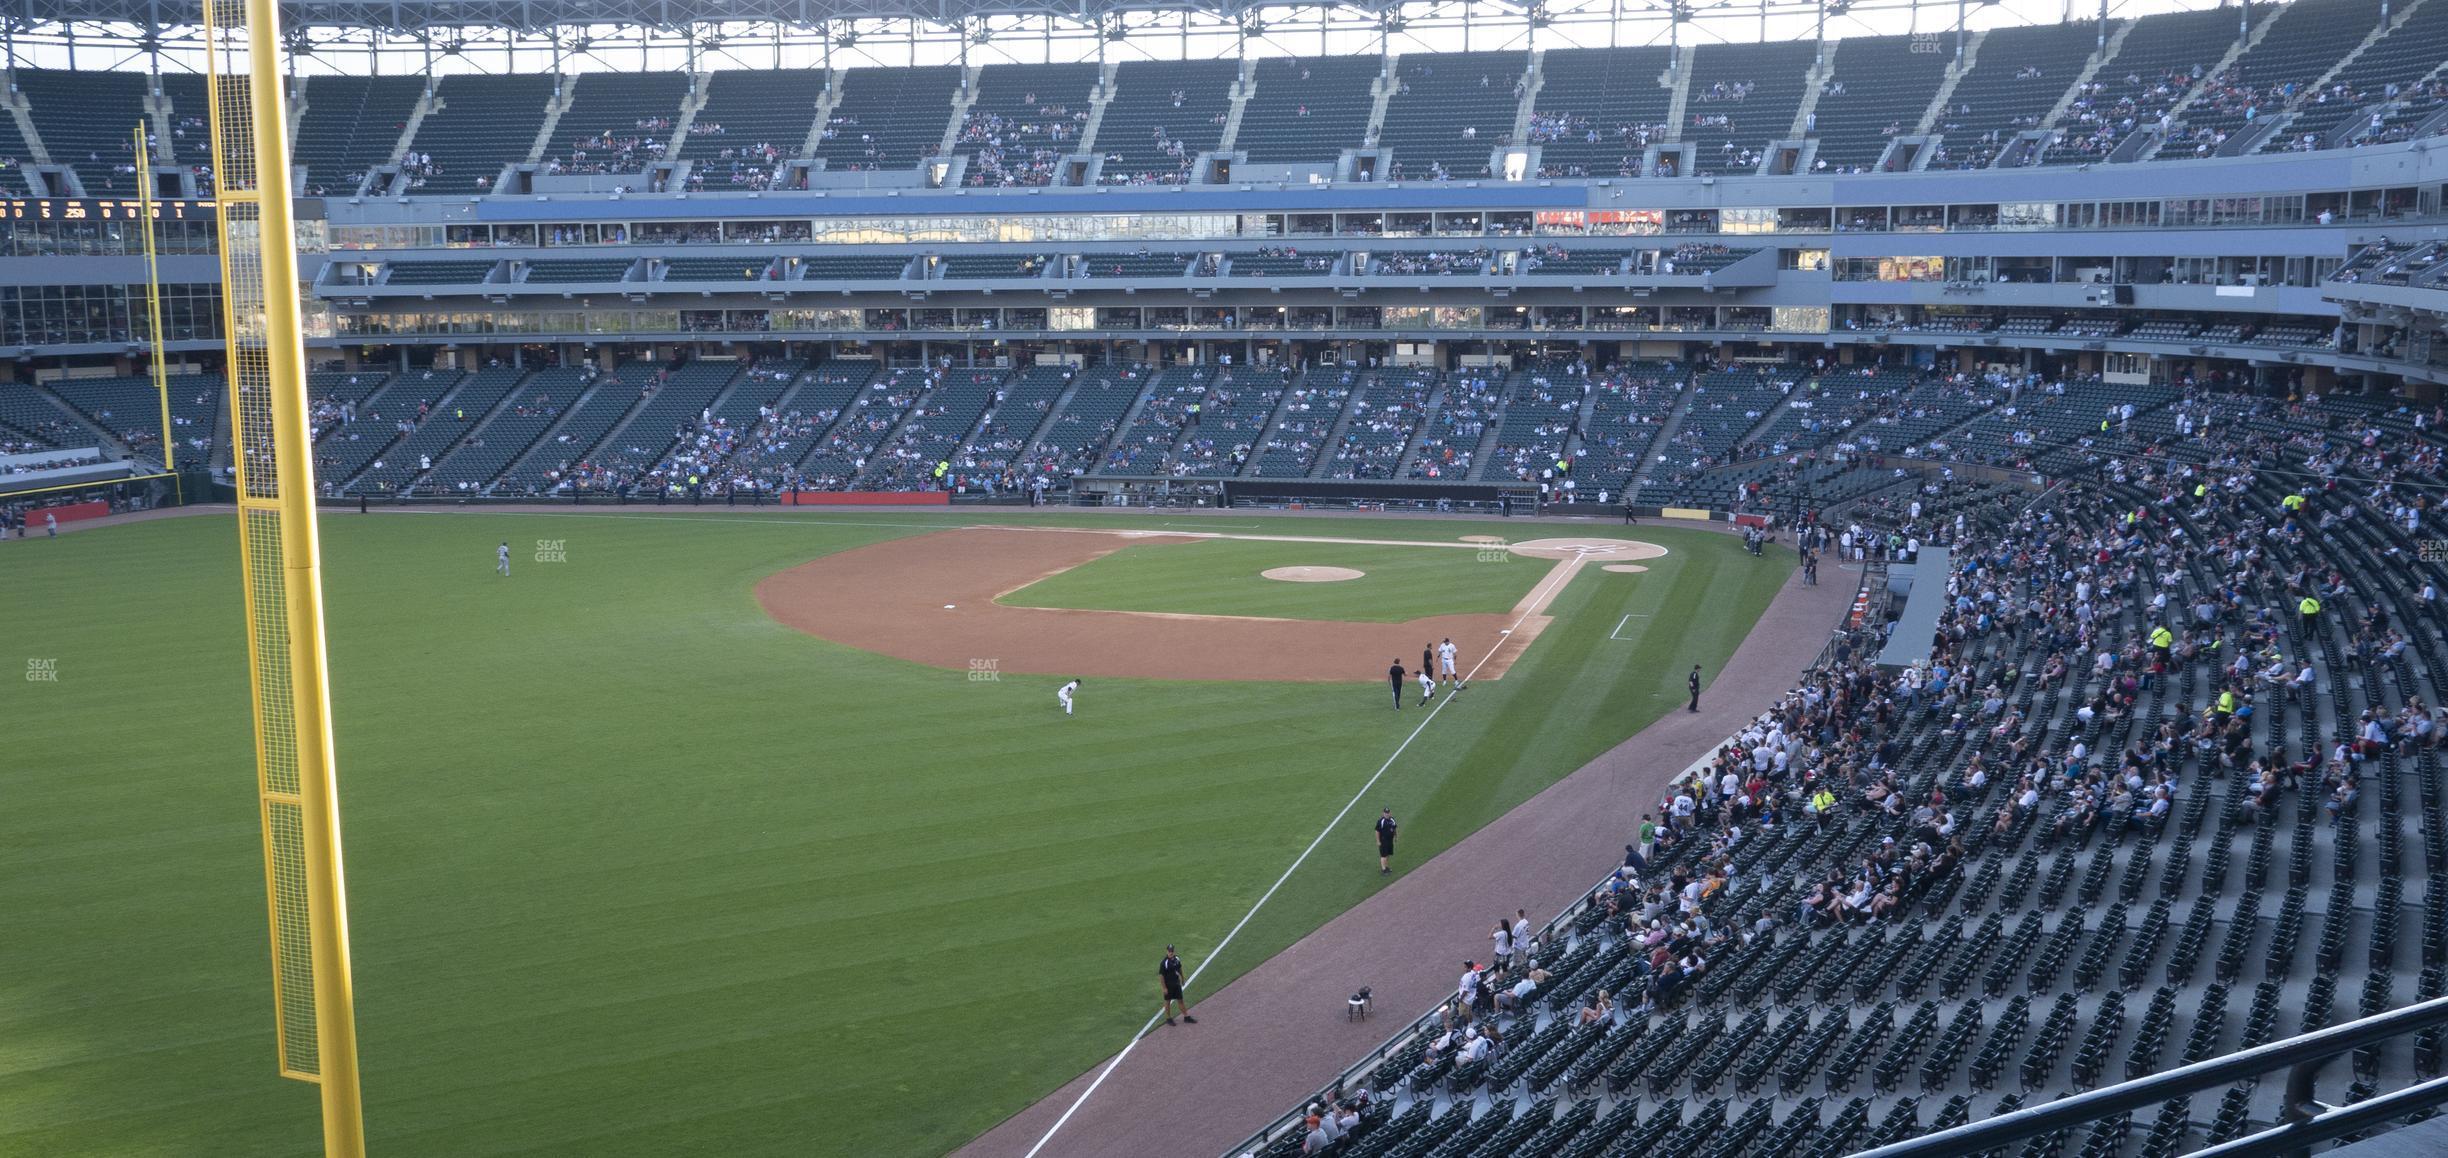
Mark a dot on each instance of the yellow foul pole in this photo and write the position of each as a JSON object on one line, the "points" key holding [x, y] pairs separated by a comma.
{"points": [[161, 372], [316, 1028]]}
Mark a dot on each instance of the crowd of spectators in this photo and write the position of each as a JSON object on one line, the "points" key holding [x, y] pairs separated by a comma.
{"points": [[734, 166], [611, 151], [1403, 262], [62, 460], [1315, 262], [2089, 599], [1020, 151]]}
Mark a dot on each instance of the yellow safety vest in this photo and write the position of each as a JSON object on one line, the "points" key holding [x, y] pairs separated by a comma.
{"points": [[2163, 638], [2309, 606]]}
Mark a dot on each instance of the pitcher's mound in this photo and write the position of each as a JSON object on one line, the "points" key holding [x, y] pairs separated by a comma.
{"points": [[1311, 574]]}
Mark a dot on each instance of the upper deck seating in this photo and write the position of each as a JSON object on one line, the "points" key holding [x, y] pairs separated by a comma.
{"points": [[889, 118], [1026, 118], [1162, 116], [1449, 111], [1598, 108], [1307, 109], [1880, 87], [483, 124], [350, 125], [1742, 97]]}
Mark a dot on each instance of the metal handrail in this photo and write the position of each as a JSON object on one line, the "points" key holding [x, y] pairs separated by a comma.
{"points": [[2304, 1120]]}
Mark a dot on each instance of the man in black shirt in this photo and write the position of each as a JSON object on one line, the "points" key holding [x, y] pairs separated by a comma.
{"points": [[1394, 676], [1385, 843], [1694, 682], [1169, 971]]}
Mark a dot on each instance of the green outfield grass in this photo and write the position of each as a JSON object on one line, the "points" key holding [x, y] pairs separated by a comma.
{"points": [[1224, 577], [635, 871]]}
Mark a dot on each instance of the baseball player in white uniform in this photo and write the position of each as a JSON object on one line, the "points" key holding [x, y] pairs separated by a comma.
{"points": [[1427, 686], [1064, 692], [501, 559], [1445, 662]]}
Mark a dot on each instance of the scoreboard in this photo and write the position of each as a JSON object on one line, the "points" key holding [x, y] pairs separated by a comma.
{"points": [[99, 209]]}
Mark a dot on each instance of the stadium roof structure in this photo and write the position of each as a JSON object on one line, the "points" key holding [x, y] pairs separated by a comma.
{"points": [[1107, 15], [412, 14]]}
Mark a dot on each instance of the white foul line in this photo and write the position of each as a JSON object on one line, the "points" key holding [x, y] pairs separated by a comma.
{"points": [[1218, 951], [1619, 624]]}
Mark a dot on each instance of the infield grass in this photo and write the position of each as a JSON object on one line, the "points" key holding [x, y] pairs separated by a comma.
{"points": [[636, 871], [1226, 577]]}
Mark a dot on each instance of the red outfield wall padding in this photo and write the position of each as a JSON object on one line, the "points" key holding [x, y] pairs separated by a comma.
{"points": [[866, 498], [68, 513]]}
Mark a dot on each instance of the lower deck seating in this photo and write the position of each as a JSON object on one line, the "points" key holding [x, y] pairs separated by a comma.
{"points": [[2045, 857], [1310, 410], [1075, 440], [1385, 414]]}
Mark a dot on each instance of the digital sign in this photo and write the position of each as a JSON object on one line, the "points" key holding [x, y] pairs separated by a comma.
{"points": [[100, 209]]}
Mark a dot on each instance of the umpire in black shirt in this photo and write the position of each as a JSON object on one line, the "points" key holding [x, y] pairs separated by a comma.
{"points": [[1394, 676]]}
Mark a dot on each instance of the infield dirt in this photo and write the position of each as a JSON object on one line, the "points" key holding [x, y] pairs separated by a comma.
{"points": [[931, 599]]}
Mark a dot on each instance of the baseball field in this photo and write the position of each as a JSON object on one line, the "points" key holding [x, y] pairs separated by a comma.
{"points": [[762, 833]]}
